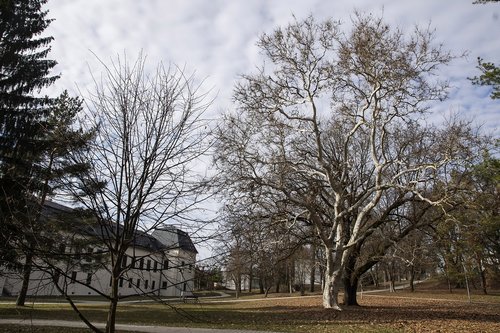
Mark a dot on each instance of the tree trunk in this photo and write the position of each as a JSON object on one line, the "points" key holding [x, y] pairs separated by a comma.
{"points": [[28, 264], [350, 291], [21, 298], [482, 273], [75, 308], [375, 276], [392, 285], [332, 279], [267, 291], [237, 284], [312, 276], [412, 278], [391, 276], [351, 278], [322, 277], [250, 278], [113, 305]]}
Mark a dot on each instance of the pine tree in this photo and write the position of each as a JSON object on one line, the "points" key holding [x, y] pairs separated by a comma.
{"points": [[63, 139], [24, 71], [490, 77]]}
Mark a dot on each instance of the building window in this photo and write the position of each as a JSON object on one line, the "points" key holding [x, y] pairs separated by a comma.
{"points": [[56, 276], [148, 265], [153, 284], [138, 284], [120, 283], [155, 267], [184, 286], [73, 276], [165, 264], [89, 278], [146, 282], [141, 263], [164, 285], [78, 252], [130, 283], [89, 254], [124, 261]]}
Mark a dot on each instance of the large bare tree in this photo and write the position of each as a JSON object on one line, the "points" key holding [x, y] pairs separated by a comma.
{"points": [[334, 125], [151, 139]]}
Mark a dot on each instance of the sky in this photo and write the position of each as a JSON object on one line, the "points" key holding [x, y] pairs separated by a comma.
{"points": [[216, 39]]}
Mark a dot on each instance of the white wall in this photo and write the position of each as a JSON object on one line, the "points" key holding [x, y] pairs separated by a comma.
{"points": [[177, 277]]}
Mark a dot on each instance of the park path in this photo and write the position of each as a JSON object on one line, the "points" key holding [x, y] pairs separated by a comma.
{"points": [[120, 327]]}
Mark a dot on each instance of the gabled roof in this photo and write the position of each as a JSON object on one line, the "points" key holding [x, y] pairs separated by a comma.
{"points": [[185, 242], [141, 239], [173, 238]]}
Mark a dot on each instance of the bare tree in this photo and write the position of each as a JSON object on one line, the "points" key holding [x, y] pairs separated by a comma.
{"points": [[258, 243], [151, 135], [333, 126]]}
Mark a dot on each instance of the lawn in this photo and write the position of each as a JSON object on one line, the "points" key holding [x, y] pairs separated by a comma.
{"points": [[422, 311]]}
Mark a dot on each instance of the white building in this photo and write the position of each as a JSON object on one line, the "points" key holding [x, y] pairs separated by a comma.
{"points": [[160, 264]]}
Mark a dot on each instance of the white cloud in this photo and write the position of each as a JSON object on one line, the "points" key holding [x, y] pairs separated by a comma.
{"points": [[217, 38]]}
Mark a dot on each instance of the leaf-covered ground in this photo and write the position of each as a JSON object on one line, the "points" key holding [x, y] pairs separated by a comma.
{"points": [[422, 311], [400, 312]]}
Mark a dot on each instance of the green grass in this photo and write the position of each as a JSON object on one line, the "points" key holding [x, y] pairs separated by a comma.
{"points": [[224, 316], [303, 314]]}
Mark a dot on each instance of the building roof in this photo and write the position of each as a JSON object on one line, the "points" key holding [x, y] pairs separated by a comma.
{"points": [[185, 242], [181, 239], [173, 238]]}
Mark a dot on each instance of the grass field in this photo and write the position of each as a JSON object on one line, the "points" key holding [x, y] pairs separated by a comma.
{"points": [[422, 311]]}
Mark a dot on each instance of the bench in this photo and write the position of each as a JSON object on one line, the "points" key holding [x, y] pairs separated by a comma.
{"points": [[187, 297]]}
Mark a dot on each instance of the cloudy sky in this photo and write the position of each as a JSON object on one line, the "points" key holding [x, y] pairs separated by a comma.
{"points": [[216, 38]]}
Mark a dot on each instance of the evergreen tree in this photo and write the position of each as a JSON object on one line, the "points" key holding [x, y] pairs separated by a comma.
{"points": [[62, 140], [490, 73], [490, 76], [24, 71]]}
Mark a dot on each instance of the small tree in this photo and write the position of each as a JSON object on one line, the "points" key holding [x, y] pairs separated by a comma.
{"points": [[150, 136], [62, 139]]}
